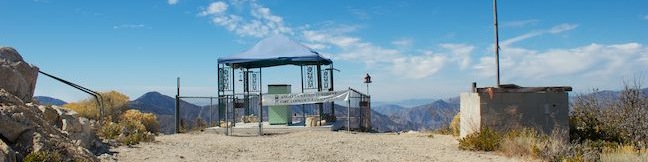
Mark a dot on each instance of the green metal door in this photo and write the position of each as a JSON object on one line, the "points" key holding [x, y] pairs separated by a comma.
{"points": [[279, 115]]}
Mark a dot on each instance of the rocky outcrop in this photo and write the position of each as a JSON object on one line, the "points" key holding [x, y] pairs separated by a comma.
{"points": [[27, 128], [18, 77]]}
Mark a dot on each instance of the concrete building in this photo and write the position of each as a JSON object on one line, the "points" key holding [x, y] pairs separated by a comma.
{"points": [[510, 107]]}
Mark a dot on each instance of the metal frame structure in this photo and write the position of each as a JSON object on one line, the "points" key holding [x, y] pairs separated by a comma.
{"points": [[224, 90]]}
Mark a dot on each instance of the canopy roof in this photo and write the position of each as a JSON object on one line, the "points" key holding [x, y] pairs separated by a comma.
{"points": [[275, 51]]}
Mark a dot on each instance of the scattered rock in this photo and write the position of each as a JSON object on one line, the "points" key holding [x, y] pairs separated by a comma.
{"points": [[18, 77], [6, 153], [69, 121], [50, 115]]}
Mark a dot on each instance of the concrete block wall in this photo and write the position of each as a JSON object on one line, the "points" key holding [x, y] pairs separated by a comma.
{"points": [[504, 111]]}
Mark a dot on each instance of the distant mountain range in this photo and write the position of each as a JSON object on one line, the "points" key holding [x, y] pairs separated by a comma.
{"points": [[409, 103], [44, 100], [430, 116], [386, 117], [164, 108]]}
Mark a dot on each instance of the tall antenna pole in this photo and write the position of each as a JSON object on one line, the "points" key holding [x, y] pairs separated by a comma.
{"points": [[496, 43]]}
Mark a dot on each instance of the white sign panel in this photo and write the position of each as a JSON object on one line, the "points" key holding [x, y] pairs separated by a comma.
{"points": [[304, 98]]}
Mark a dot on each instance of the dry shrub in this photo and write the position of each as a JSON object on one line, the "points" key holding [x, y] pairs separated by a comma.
{"points": [[109, 130], [484, 140], [133, 132], [556, 147], [620, 119], [624, 153], [522, 143], [133, 128], [200, 125], [454, 124], [39, 156], [114, 104], [147, 119]]}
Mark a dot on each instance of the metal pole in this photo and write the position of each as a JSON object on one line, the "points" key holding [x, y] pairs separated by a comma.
{"points": [[246, 89], [349, 114], [221, 94], [260, 104], [211, 116], [367, 88], [302, 91], [319, 89], [177, 106], [331, 89], [496, 43], [227, 115]]}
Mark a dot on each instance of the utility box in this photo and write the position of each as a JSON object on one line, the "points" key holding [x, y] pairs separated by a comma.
{"points": [[279, 115]]}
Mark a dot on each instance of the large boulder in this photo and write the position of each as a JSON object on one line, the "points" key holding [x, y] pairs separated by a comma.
{"points": [[18, 77]]}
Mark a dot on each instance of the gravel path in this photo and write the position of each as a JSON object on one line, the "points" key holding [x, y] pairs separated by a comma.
{"points": [[303, 146]]}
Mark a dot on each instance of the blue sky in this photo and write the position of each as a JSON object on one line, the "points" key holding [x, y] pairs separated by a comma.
{"points": [[412, 49]]}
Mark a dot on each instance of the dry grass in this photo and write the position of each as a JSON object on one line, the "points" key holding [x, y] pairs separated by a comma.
{"points": [[624, 153], [522, 143], [115, 104], [454, 125], [484, 140]]}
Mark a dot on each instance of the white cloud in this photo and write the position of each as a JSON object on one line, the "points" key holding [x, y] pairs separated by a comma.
{"points": [[561, 28], [259, 23], [403, 42], [418, 67], [410, 65], [520, 23], [316, 46], [131, 26], [172, 2], [215, 8], [461, 53], [553, 30], [594, 61]]}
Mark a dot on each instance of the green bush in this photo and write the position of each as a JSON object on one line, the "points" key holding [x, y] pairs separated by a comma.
{"points": [[484, 140], [40, 156]]}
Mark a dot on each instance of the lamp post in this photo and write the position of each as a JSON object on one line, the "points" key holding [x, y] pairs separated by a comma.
{"points": [[367, 80]]}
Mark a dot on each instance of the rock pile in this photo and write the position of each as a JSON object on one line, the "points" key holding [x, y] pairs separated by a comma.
{"points": [[27, 128]]}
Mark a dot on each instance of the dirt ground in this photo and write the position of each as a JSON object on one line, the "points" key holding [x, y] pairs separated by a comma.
{"points": [[303, 146]]}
